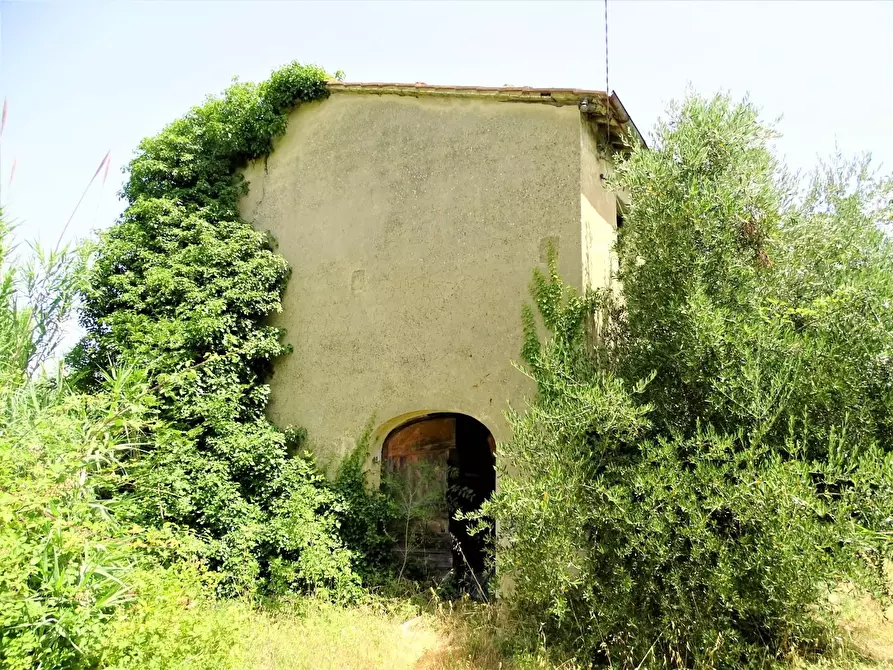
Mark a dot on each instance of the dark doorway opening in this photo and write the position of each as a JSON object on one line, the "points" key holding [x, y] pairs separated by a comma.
{"points": [[472, 480], [443, 464]]}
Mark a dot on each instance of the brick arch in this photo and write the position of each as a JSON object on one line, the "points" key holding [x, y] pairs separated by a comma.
{"points": [[385, 428]]}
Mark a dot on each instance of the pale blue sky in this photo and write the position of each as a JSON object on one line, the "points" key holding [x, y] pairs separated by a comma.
{"points": [[86, 77]]}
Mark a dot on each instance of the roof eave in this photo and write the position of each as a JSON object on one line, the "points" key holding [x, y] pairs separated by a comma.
{"points": [[600, 103], [554, 96], [625, 119]]}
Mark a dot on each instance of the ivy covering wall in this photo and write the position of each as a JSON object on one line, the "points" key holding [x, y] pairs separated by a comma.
{"points": [[182, 287]]}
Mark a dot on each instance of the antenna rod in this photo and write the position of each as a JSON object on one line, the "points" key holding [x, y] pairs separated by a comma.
{"points": [[607, 81]]}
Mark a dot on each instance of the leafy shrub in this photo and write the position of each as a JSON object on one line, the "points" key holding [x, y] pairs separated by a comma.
{"points": [[62, 558], [79, 586], [419, 494], [690, 484], [181, 287], [60, 555], [174, 622], [366, 514], [756, 306], [305, 531], [65, 559]]}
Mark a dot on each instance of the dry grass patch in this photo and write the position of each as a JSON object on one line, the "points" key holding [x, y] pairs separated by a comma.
{"points": [[464, 635], [469, 638], [866, 633], [320, 636]]}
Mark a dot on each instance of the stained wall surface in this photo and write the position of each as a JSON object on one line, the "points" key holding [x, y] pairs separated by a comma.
{"points": [[598, 209], [412, 225]]}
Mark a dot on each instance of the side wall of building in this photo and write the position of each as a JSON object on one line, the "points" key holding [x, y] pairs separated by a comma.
{"points": [[598, 208], [412, 226]]}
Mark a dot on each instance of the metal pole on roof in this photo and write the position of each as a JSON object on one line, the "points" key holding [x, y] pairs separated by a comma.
{"points": [[607, 73], [607, 81]]}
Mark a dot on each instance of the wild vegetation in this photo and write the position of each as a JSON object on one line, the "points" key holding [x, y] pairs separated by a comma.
{"points": [[180, 289], [704, 478], [146, 476], [70, 567], [709, 455]]}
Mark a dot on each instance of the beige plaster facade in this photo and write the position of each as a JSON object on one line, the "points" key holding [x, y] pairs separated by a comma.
{"points": [[412, 217]]}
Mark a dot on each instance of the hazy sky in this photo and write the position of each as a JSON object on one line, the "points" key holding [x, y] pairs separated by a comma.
{"points": [[83, 78]]}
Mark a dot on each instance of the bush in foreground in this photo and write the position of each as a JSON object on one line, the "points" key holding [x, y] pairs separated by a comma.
{"points": [[690, 483], [181, 288]]}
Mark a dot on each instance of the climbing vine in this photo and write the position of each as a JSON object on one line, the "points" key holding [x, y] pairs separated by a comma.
{"points": [[182, 287]]}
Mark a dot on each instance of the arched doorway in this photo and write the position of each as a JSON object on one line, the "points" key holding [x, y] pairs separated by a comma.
{"points": [[436, 465]]}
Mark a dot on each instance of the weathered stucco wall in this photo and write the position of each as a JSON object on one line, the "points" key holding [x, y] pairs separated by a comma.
{"points": [[598, 208], [412, 226]]}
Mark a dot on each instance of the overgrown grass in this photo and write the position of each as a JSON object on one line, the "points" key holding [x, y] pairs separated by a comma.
{"points": [[430, 634], [866, 629], [316, 634], [700, 522]]}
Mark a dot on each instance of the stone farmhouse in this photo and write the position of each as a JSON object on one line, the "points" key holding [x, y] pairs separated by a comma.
{"points": [[412, 216]]}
